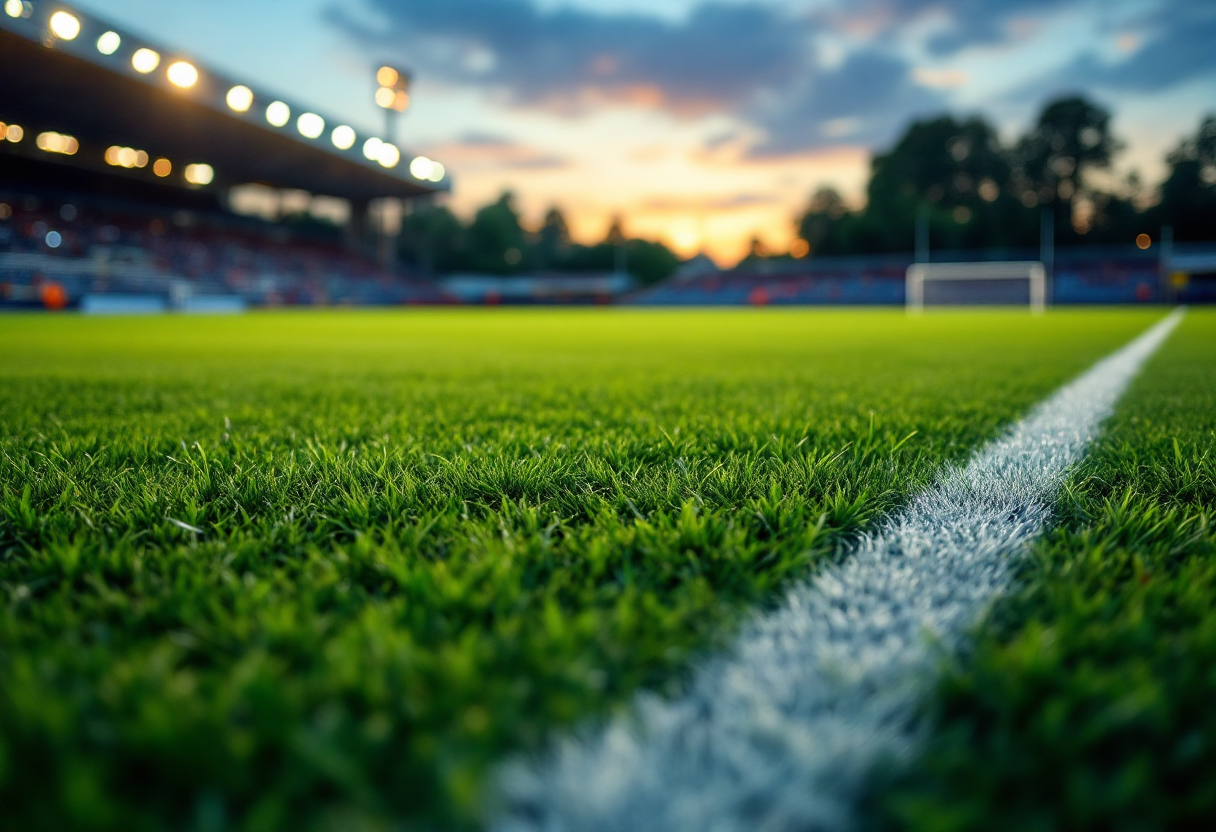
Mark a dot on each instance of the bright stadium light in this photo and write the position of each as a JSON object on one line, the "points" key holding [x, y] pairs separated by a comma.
{"points": [[240, 98], [108, 43], [145, 60], [14, 8], [343, 137], [371, 148], [64, 25], [182, 74], [384, 97], [310, 125], [52, 142], [421, 167], [389, 155], [162, 167], [199, 174], [278, 113], [386, 76]]}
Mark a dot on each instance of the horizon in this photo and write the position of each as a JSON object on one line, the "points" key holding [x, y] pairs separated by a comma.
{"points": [[628, 109]]}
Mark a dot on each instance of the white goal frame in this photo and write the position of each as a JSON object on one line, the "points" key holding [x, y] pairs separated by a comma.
{"points": [[919, 273]]}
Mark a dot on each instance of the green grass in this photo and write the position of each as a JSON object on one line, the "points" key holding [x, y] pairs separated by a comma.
{"points": [[428, 539], [1086, 703]]}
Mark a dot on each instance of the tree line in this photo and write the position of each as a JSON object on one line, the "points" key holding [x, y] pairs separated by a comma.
{"points": [[973, 191], [434, 240], [955, 177]]}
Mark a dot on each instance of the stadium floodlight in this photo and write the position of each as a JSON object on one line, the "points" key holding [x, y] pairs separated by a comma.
{"points": [[109, 42], [343, 137], [371, 148], [278, 113], [145, 60], [240, 98], [64, 25], [421, 168], [199, 174], [389, 155], [162, 167], [394, 90], [310, 125], [52, 142], [976, 284], [182, 74]]}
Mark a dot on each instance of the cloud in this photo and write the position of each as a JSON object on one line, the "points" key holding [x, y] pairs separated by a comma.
{"points": [[1174, 44], [568, 59], [731, 202], [865, 100], [483, 152], [955, 25]]}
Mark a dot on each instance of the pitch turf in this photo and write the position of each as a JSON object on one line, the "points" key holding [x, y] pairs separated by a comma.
{"points": [[1086, 703], [320, 571]]}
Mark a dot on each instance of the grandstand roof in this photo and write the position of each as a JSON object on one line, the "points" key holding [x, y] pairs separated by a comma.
{"points": [[88, 87]]}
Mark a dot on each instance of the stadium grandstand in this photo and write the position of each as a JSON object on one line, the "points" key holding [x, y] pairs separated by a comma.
{"points": [[1077, 275], [122, 161]]}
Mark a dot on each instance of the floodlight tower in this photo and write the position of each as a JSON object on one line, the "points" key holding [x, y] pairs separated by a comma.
{"points": [[393, 95]]}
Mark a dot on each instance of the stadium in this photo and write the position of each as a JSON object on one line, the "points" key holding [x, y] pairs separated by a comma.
{"points": [[345, 486]]}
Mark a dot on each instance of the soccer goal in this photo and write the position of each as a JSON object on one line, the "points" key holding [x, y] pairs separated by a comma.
{"points": [[1011, 283]]}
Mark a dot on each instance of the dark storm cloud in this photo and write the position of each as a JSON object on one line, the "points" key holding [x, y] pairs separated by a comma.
{"points": [[866, 100], [718, 58]]}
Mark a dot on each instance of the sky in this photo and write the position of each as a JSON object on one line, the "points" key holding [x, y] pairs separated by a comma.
{"points": [[701, 123]]}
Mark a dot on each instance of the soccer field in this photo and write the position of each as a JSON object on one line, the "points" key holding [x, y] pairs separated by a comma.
{"points": [[326, 570]]}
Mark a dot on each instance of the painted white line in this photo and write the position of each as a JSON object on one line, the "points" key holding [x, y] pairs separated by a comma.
{"points": [[781, 733]]}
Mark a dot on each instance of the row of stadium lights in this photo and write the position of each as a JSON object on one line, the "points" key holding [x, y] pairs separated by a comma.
{"points": [[122, 157], [184, 75]]}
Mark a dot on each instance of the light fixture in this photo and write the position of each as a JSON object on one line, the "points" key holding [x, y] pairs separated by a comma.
{"points": [[421, 167], [199, 174], [162, 167], [389, 155], [14, 133], [145, 60], [278, 113], [393, 90], [240, 98], [53, 142], [343, 137], [310, 125], [386, 76], [53, 239], [126, 157], [371, 148], [64, 25], [182, 74], [108, 43], [384, 97], [14, 8], [438, 171]]}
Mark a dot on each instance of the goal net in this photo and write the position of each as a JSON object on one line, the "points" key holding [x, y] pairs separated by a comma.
{"points": [[1013, 283]]}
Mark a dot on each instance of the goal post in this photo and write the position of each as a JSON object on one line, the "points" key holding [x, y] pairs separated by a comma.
{"points": [[1022, 282]]}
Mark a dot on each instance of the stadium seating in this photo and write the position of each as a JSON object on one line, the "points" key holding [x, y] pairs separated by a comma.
{"points": [[95, 249], [1093, 275]]}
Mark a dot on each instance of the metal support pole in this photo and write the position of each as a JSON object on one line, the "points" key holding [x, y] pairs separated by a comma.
{"points": [[1047, 249], [922, 235], [1168, 293]]}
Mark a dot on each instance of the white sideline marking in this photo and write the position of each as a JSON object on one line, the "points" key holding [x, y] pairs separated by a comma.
{"points": [[780, 734]]}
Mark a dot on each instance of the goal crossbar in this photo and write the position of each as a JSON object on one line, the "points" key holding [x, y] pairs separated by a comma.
{"points": [[1032, 270]]}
